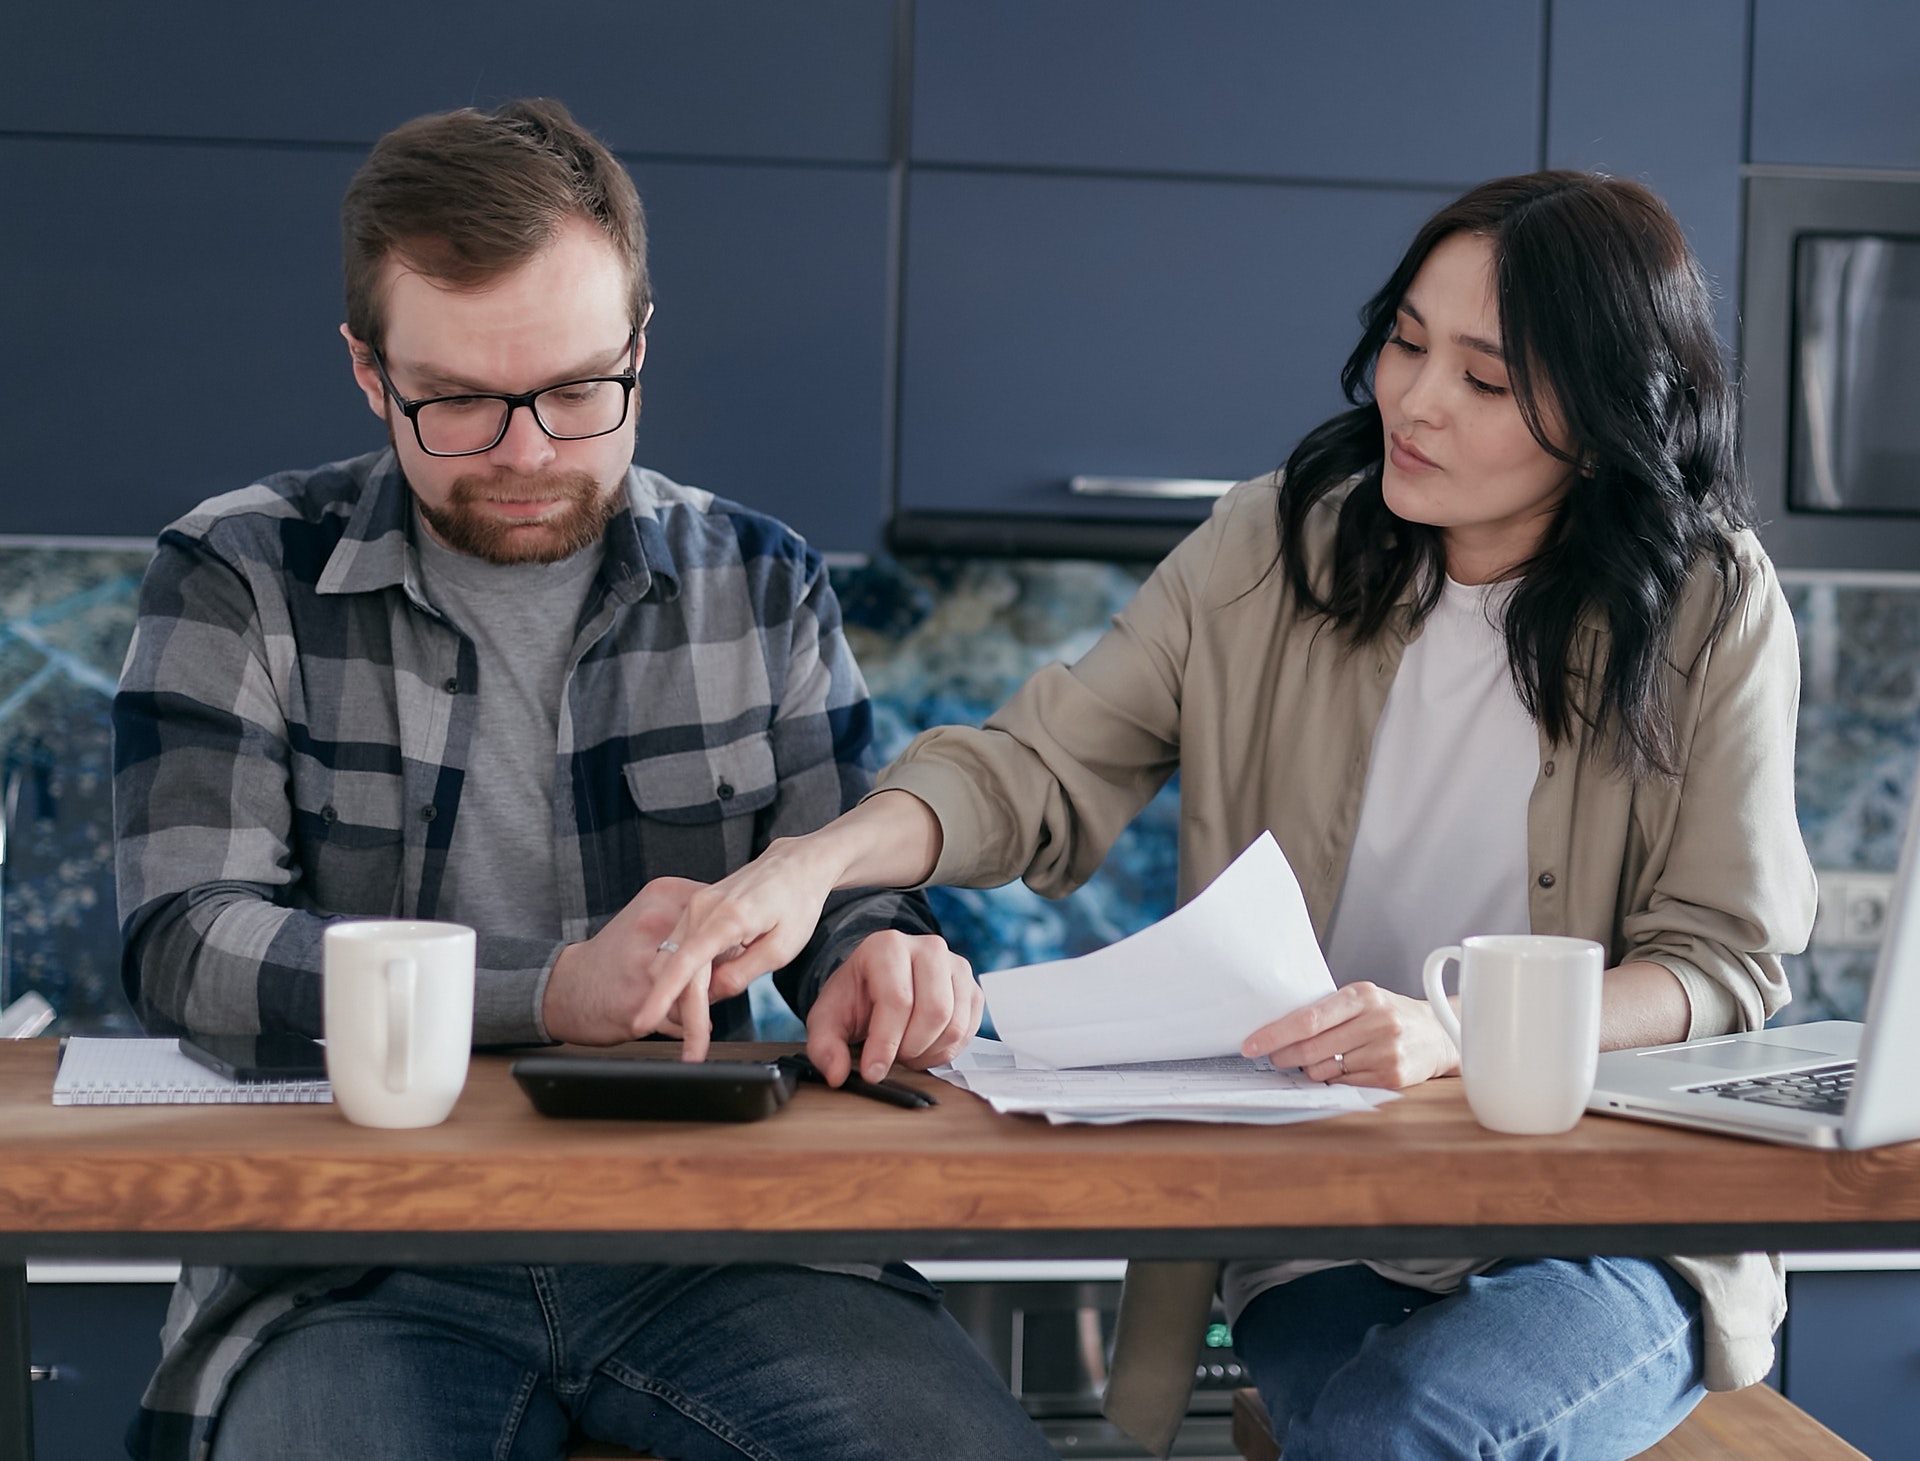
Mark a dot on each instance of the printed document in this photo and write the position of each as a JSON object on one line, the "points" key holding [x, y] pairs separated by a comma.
{"points": [[1222, 1089], [1195, 984]]}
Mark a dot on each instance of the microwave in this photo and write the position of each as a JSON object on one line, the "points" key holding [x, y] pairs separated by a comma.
{"points": [[1830, 361]]}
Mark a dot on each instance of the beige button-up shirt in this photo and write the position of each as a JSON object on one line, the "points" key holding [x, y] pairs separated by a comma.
{"points": [[1268, 714]]}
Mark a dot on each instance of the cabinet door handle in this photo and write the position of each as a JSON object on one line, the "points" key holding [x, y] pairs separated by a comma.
{"points": [[43, 1372], [1162, 487]]}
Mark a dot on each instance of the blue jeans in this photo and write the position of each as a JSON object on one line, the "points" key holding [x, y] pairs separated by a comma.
{"points": [[1590, 1359], [504, 1363]]}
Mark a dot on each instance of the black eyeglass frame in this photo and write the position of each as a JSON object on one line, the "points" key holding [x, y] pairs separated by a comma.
{"points": [[410, 408]]}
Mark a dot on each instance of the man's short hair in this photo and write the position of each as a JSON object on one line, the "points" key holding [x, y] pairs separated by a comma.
{"points": [[463, 197]]}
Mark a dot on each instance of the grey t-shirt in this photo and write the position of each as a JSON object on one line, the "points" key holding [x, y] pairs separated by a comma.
{"points": [[500, 868]]}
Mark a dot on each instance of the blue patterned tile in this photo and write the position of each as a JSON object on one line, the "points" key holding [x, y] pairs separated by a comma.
{"points": [[66, 615], [941, 641]]}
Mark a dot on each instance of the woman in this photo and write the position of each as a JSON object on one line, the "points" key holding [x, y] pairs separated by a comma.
{"points": [[1496, 654]]}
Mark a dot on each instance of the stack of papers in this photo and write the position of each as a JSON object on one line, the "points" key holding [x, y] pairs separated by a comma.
{"points": [[1149, 1028], [1195, 984], [1225, 1088]]}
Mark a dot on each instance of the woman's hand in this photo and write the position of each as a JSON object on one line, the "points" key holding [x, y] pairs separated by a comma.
{"points": [[759, 917], [1360, 1034]]}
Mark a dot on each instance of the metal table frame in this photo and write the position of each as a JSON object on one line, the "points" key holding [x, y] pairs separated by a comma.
{"points": [[425, 1249]]}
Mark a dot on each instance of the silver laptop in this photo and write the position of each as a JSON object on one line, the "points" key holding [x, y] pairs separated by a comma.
{"points": [[1831, 1084]]}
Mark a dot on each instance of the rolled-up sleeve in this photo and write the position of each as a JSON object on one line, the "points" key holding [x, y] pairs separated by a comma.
{"points": [[1043, 789], [201, 811], [1734, 890]]}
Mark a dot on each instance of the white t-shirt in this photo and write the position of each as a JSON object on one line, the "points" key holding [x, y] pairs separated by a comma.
{"points": [[1441, 849]]}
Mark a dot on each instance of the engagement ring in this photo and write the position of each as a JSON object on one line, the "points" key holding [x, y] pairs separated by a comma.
{"points": [[1341, 1061], [668, 946]]}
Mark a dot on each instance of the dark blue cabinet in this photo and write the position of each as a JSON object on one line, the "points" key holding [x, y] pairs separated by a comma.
{"points": [[1437, 91], [174, 332], [750, 78], [766, 376], [1657, 92], [1851, 1357], [101, 1342], [171, 328], [1058, 326], [1837, 83]]}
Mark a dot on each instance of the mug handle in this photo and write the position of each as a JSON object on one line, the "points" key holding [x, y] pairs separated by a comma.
{"points": [[1430, 975], [402, 975]]}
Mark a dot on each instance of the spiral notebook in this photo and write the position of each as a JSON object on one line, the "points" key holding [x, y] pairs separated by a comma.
{"points": [[109, 1072]]}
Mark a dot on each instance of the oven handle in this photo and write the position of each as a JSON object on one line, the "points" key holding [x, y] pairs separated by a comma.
{"points": [[1164, 488]]}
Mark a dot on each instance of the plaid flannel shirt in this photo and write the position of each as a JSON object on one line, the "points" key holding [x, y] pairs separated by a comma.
{"points": [[289, 738]]}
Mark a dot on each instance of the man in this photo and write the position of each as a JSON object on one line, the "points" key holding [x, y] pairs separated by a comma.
{"points": [[498, 675]]}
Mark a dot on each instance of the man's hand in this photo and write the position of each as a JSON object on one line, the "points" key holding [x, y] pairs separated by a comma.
{"points": [[1381, 1039], [908, 996], [598, 991]]}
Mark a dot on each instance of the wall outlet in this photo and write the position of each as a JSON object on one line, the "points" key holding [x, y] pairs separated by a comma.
{"points": [[1853, 909]]}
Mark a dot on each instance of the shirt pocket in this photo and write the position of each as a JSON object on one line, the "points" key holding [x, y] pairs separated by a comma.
{"points": [[353, 844], [697, 808]]}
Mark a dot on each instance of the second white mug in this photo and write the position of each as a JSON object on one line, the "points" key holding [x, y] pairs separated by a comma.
{"points": [[399, 1018], [1528, 1031]]}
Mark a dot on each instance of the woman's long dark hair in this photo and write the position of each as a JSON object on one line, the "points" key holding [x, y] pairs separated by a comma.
{"points": [[1605, 318]]}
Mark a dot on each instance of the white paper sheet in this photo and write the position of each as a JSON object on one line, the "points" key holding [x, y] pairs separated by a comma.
{"points": [[1219, 1089], [1195, 984]]}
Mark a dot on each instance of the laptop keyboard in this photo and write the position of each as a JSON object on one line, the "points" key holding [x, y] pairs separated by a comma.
{"points": [[1823, 1089]]}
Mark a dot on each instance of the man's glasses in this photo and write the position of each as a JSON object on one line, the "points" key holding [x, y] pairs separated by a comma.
{"points": [[465, 426]]}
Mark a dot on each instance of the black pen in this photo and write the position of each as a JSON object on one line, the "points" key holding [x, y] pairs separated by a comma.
{"points": [[891, 1092]]}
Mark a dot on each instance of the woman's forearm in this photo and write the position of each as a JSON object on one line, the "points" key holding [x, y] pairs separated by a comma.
{"points": [[891, 840], [1643, 1003]]}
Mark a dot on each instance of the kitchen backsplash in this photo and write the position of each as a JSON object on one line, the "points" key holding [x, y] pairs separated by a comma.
{"points": [[941, 641]]}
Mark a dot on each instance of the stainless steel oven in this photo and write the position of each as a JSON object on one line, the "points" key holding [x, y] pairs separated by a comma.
{"points": [[1830, 355], [1048, 1330]]}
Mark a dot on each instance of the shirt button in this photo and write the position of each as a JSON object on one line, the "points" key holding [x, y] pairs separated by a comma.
{"points": [[452, 685], [428, 813], [1547, 770], [1546, 880], [724, 791], [329, 815]]}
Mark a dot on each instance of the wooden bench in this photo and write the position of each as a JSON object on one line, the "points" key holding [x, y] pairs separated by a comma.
{"points": [[1754, 1424]]}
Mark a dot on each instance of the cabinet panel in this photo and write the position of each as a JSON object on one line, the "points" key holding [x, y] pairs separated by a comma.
{"points": [[102, 1340], [766, 372], [745, 77], [182, 341], [173, 330], [1671, 115], [1057, 326], [1404, 90], [1835, 83], [1852, 1357]]}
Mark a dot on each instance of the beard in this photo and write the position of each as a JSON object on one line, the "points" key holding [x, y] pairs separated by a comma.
{"points": [[584, 508]]}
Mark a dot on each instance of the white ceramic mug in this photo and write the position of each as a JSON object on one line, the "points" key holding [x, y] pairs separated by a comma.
{"points": [[1528, 1031], [399, 1019]]}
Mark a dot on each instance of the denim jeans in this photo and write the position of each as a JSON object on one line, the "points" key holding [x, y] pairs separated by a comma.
{"points": [[1590, 1359], [504, 1363]]}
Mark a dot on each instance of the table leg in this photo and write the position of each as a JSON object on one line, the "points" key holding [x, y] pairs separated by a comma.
{"points": [[16, 1389]]}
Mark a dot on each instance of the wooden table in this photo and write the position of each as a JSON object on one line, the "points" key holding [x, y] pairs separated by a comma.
{"points": [[837, 1177]]}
